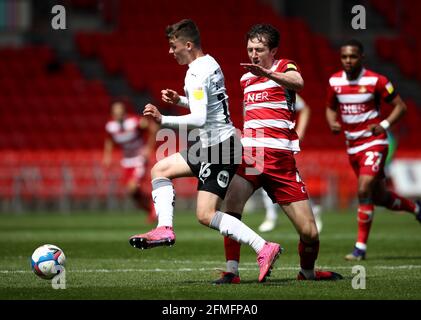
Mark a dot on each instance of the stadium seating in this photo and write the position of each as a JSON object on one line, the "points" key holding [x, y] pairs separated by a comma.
{"points": [[46, 104], [65, 173], [404, 51], [403, 17]]}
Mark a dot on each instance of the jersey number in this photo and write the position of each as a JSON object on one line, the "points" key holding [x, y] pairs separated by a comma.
{"points": [[373, 159]]}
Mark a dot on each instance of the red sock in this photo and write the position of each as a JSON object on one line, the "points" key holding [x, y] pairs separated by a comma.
{"points": [[142, 200], [397, 203], [232, 247], [308, 254], [365, 218]]}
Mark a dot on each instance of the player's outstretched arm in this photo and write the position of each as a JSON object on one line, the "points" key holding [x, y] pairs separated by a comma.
{"points": [[196, 119], [332, 120], [399, 109], [291, 80]]}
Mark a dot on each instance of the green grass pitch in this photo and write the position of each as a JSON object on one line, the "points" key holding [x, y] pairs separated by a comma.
{"points": [[102, 265]]}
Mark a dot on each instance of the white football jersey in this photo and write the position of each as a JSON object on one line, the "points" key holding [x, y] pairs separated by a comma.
{"points": [[299, 103], [205, 88]]}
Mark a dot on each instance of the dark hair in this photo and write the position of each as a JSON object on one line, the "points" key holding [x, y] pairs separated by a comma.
{"points": [[124, 100], [354, 43], [270, 33], [185, 29]]}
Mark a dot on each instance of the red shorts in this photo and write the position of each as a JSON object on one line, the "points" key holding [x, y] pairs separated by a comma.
{"points": [[274, 170], [133, 174], [370, 161], [134, 169]]}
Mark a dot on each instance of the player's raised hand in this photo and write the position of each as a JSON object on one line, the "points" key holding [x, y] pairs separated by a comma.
{"points": [[153, 112], [335, 127], [170, 96], [256, 69]]}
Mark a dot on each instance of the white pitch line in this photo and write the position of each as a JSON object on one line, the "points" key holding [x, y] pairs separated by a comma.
{"points": [[399, 267]]}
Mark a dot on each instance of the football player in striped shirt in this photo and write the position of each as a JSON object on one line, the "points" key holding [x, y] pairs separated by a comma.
{"points": [[354, 95], [135, 136], [270, 87]]}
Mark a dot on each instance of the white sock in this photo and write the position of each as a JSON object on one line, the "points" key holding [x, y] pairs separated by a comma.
{"points": [[163, 196], [269, 206], [361, 246], [232, 266], [308, 274], [236, 230]]}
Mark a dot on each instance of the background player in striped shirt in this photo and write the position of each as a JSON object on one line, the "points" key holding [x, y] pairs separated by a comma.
{"points": [[136, 137], [355, 94], [269, 100]]}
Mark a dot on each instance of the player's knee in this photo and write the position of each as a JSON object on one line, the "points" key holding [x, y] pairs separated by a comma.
{"points": [[310, 237], [234, 202], [366, 187], [159, 170], [309, 232], [204, 216], [363, 191]]}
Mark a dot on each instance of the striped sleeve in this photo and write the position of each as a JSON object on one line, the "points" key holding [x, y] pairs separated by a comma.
{"points": [[287, 65]]}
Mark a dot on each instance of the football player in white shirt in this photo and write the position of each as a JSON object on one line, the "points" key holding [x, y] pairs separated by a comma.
{"points": [[208, 104]]}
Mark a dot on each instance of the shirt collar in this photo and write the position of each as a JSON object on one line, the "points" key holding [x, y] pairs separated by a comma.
{"points": [[197, 60], [355, 80]]}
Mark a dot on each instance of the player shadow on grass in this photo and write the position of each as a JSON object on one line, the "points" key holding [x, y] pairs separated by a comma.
{"points": [[275, 282], [272, 282], [397, 258], [251, 281]]}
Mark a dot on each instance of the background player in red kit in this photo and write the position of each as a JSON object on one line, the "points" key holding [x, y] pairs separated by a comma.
{"points": [[269, 101], [136, 137], [355, 93]]}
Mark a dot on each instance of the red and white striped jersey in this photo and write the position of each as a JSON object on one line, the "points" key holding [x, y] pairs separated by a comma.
{"points": [[358, 102], [127, 135], [270, 115]]}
